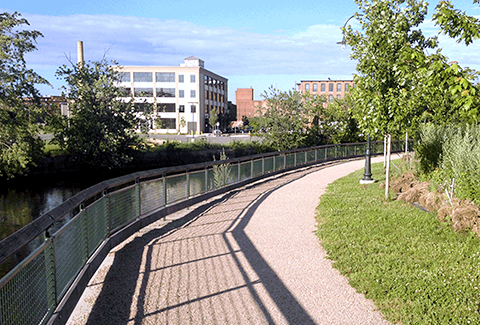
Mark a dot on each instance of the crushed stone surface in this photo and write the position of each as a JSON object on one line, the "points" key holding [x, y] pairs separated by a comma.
{"points": [[247, 257]]}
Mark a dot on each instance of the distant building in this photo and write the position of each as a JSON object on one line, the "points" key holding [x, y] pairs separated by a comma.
{"points": [[329, 88], [246, 105], [183, 96]]}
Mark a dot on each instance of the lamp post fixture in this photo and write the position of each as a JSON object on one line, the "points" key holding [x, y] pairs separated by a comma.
{"points": [[367, 175]]}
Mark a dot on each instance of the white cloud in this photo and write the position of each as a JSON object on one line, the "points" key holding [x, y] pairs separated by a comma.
{"points": [[237, 54]]}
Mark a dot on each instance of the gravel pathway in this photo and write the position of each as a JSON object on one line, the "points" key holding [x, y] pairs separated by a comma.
{"points": [[248, 257]]}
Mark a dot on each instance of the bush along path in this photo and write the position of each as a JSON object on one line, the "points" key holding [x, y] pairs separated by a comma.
{"points": [[416, 269]]}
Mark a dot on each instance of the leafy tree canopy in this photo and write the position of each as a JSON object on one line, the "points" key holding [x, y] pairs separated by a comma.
{"points": [[101, 130], [398, 83], [19, 144]]}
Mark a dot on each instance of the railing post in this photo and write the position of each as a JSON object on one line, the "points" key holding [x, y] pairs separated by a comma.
{"points": [[239, 172], [295, 159], [316, 155], [165, 199], [263, 165], [251, 168], [326, 153], [188, 184], [50, 271], [274, 164]]}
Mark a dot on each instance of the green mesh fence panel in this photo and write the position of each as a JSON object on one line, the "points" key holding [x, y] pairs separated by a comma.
{"points": [[211, 179], [124, 206], [269, 165], [321, 154], [331, 152], [257, 167], [70, 252], [151, 195], [96, 216], [26, 294], [289, 160], [300, 158], [361, 149], [231, 174], [176, 188], [279, 162], [350, 150], [197, 182], [245, 170], [311, 156]]}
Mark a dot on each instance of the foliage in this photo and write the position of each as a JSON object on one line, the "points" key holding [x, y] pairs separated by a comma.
{"points": [[221, 171], [456, 23], [383, 87], [335, 124], [398, 84], [19, 144], [415, 269], [101, 131], [451, 152], [213, 119]]}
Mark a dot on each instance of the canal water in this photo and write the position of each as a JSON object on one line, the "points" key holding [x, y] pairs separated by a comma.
{"points": [[22, 203]]}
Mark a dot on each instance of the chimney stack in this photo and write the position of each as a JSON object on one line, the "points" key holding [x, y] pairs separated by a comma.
{"points": [[80, 53]]}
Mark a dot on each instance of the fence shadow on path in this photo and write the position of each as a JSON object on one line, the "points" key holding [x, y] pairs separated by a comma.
{"points": [[201, 268]]}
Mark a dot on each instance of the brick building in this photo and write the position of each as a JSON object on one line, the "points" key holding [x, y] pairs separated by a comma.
{"points": [[330, 88]]}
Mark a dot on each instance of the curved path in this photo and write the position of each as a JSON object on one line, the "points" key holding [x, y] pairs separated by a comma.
{"points": [[247, 257]]}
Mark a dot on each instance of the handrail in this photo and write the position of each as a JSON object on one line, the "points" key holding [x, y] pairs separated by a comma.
{"points": [[75, 229]]}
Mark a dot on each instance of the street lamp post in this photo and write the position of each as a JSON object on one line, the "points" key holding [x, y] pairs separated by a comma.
{"points": [[367, 175]]}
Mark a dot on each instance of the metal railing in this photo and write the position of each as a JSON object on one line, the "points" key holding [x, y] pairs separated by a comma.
{"points": [[71, 233]]}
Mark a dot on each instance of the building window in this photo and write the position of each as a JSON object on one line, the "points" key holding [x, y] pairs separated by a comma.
{"points": [[143, 92], [330, 98], [124, 76], [339, 87], [165, 92], [169, 123], [181, 78], [193, 94], [127, 92], [346, 87], [181, 108], [165, 76], [142, 77], [166, 108], [307, 87], [330, 87], [192, 78], [323, 88], [193, 108], [315, 88], [181, 93]]}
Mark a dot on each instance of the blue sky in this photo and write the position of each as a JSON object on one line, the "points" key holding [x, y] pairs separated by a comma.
{"points": [[252, 43]]}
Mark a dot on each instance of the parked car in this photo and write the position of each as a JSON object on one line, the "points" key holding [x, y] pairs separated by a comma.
{"points": [[217, 133]]}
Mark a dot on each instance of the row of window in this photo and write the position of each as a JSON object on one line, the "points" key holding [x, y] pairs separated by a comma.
{"points": [[163, 108], [160, 92], [323, 85], [159, 77]]}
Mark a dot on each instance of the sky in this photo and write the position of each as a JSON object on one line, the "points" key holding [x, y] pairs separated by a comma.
{"points": [[255, 44]]}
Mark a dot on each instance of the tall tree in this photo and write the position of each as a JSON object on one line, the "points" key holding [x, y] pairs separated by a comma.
{"points": [[101, 131], [19, 143]]}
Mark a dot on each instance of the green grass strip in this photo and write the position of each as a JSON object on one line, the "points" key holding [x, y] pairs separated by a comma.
{"points": [[415, 269]]}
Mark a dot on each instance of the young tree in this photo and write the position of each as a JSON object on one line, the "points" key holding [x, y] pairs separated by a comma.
{"points": [[101, 131], [213, 118], [19, 143]]}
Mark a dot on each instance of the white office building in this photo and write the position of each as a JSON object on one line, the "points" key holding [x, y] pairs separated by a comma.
{"points": [[182, 96]]}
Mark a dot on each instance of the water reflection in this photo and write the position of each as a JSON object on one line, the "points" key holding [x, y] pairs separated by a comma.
{"points": [[21, 205]]}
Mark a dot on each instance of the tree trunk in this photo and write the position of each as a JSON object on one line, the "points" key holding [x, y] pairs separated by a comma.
{"points": [[387, 173]]}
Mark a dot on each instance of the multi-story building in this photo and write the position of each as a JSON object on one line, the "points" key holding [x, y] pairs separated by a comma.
{"points": [[246, 105], [329, 88], [182, 97]]}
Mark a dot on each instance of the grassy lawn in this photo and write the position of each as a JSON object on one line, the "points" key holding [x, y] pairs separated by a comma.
{"points": [[414, 268]]}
